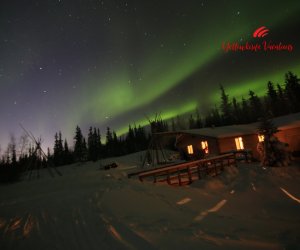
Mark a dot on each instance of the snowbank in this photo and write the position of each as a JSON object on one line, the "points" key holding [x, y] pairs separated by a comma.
{"points": [[244, 208]]}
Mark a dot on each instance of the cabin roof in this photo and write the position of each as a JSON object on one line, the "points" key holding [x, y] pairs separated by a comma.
{"points": [[283, 123]]}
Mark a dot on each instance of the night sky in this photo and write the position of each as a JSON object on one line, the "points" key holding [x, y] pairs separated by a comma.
{"points": [[111, 63]]}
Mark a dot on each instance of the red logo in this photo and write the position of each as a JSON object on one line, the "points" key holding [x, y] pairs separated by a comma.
{"points": [[261, 32], [257, 45]]}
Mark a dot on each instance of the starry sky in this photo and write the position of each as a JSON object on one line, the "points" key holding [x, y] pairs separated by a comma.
{"points": [[110, 63]]}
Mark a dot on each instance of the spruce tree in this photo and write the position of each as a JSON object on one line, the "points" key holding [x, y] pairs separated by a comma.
{"points": [[67, 154], [226, 108], [237, 112], [99, 144], [198, 122], [79, 147], [56, 150], [272, 99], [192, 123], [282, 103], [58, 155], [109, 143], [92, 147], [273, 152], [246, 112], [292, 91], [130, 140], [173, 126], [84, 150], [256, 108]]}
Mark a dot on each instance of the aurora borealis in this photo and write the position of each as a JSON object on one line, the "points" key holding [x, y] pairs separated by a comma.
{"points": [[111, 63]]}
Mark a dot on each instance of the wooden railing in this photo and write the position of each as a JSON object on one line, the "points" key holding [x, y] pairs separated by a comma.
{"points": [[185, 173]]}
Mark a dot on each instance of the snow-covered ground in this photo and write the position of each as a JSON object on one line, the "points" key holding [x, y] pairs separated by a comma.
{"points": [[243, 208]]}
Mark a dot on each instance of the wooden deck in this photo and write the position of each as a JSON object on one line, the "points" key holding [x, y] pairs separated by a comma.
{"points": [[187, 172]]}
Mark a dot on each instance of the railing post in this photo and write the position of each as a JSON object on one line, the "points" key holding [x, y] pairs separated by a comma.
{"points": [[154, 178], [190, 175], [199, 171], [168, 178], [179, 177]]}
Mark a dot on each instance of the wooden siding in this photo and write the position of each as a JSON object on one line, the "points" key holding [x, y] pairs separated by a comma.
{"points": [[222, 145], [291, 137], [249, 141], [195, 140]]}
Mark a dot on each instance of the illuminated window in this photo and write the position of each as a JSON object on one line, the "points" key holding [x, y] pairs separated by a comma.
{"points": [[204, 146], [261, 138], [190, 149], [239, 143]]}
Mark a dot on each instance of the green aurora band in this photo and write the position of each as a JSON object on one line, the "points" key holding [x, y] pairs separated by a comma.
{"points": [[163, 71]]}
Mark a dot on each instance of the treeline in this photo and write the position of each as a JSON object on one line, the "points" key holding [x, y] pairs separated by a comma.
{"points": [[13, 164], [278, 100], [92, 149]]}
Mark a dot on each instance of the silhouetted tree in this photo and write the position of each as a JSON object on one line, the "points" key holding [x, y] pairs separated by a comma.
{"points": [[67, 156], [256, 107], [98, 143], [213, 119], [92, 145], [85, 150], [245, 111], [79, 148], [109, 143], [273, 152], [179, 123], [192, 122], [292, 91], [58, 155], [272, 100], [236, 111], [198, 121], [173, 126], [226, 107], [282, 103]]}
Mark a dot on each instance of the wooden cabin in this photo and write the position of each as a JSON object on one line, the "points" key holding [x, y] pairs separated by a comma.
{"points": [[196, 143]]}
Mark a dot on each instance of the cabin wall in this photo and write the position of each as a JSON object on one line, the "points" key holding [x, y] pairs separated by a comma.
{"points": [[291, 137], [249, 141], [221, 145], [195, 141]]}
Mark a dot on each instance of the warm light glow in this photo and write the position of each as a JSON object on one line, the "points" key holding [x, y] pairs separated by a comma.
{"points": [[261, 138], [204, 146], [190, 149], [239, 143]]}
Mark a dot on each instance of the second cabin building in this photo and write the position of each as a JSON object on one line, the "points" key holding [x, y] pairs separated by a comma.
{"points": [[198, 143]]}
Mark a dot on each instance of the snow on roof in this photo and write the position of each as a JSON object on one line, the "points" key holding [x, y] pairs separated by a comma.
{"points": [[287, 121], [283, 123]]}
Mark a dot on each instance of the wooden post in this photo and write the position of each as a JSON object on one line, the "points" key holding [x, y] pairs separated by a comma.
{"points": [[216, 167], [168, 178], [199, 171], [222, 165], [179, 177], [189, 174]]}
